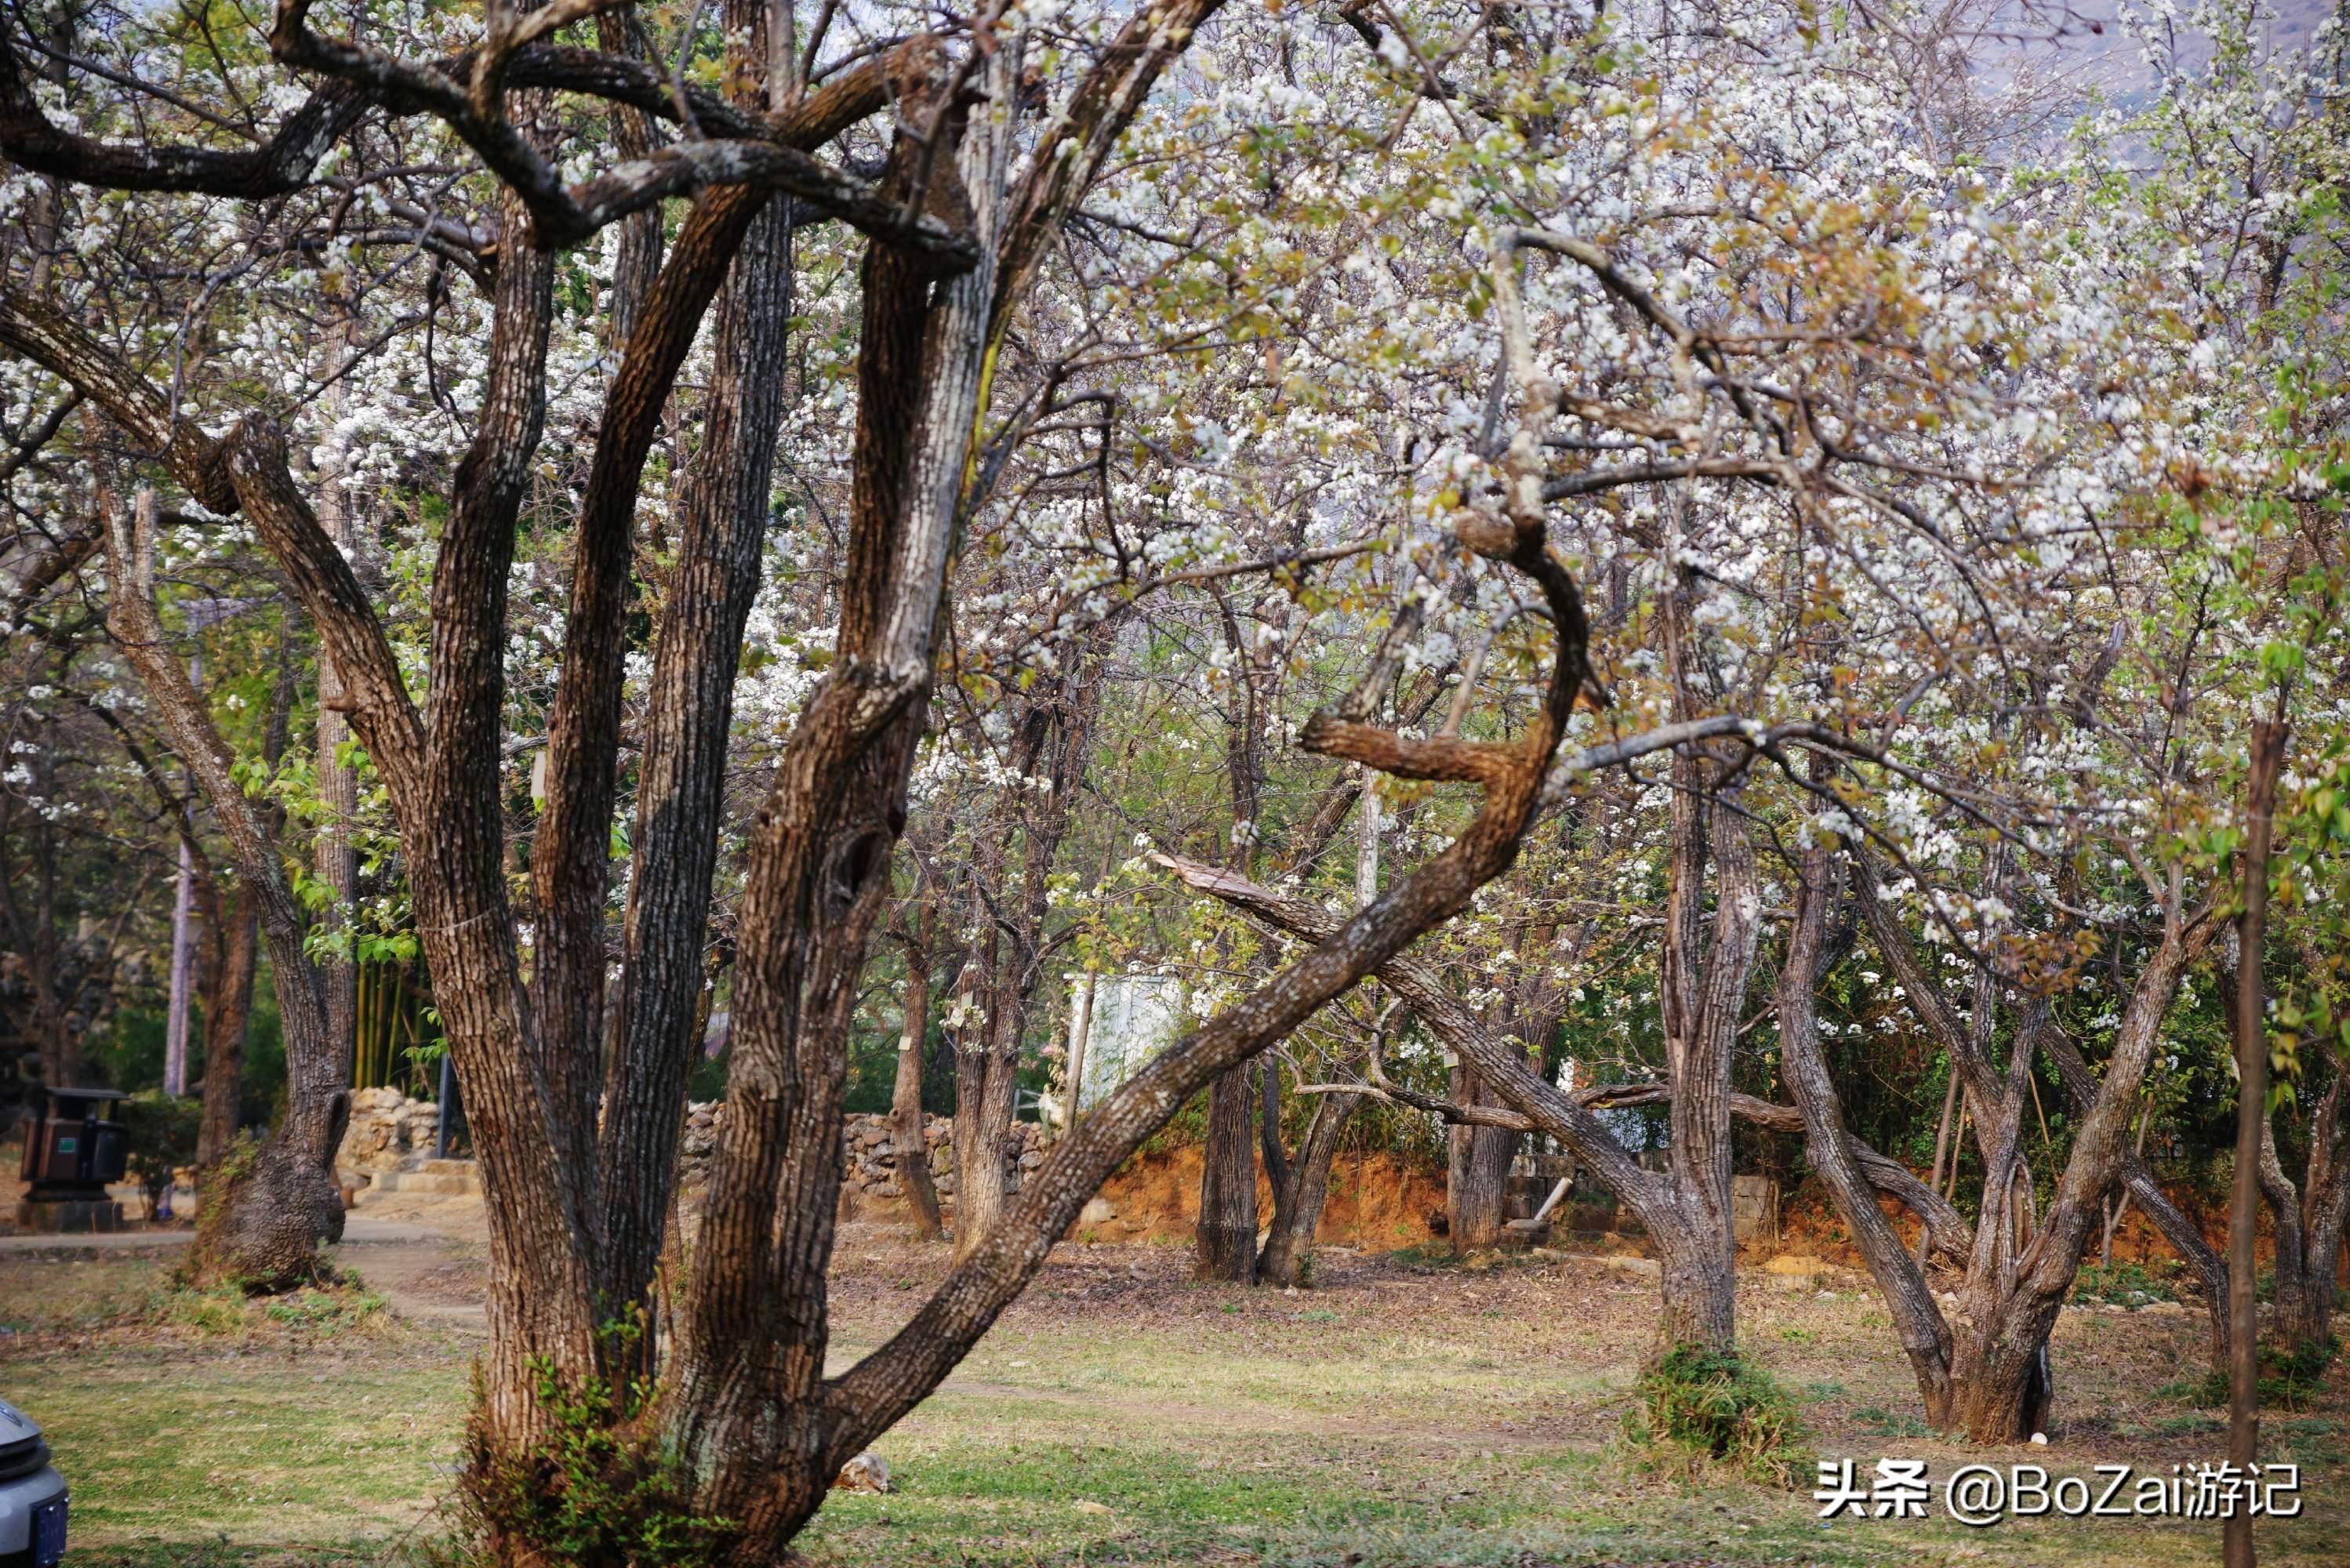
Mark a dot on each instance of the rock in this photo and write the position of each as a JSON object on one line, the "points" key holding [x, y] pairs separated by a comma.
{"points": [[1098, 1211], [1032, 1160], [866, 1472], [1087, 1505]]}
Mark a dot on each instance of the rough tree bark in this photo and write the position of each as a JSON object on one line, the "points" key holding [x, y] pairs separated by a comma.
{"points": [[1476, 1171], [228, 1012], [2309, 1218], [752, 1351]]}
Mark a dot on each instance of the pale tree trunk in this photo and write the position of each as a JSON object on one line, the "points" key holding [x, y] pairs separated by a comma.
{"points": [[1704, 971], [910, 1144], [266, 1221]]}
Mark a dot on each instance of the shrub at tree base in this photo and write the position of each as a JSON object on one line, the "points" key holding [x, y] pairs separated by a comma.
{"points": [[332, 1303], [601, 1489], [1698, 1405], [2289, 1378]]}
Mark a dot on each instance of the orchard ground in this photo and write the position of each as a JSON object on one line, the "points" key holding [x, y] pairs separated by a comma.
{"points": [[1409, 1410]]}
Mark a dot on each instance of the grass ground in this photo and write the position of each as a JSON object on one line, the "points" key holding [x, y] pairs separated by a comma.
{"points": [[1402, 1414]]}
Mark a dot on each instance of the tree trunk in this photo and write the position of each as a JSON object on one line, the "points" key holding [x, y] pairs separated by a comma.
{"points": [[1477, 1173], [1298, 1199], [724, 505], [1226, 1236], [2255, 1146], [1050, 735], [1900, 1276], [333, 856], [910, 1144], [750, 1417], [228, 1011], [2001, 1389]]}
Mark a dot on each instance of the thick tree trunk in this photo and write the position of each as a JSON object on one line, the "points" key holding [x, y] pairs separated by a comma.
{"points": [[228, 1010], [1999, 1385], [1225, 1239], [748, 1417], [1477, 1173]]}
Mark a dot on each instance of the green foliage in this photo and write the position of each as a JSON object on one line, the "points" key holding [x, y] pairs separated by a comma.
{"points": [[2289, 1378], [2125, 1284], [1883, 1422], [601, 1489], [163, 1134], [1698, 1405], [331, 1306]]}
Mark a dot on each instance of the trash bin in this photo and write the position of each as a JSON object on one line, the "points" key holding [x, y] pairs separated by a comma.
{"points": [[73, 1148]]}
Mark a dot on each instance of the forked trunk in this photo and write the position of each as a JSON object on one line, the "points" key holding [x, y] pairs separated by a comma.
{"points": [[1298, 1198], [2000, 1383]]}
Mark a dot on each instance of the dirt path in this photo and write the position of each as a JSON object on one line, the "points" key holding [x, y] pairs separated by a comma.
{"points": [[361, 1230]]}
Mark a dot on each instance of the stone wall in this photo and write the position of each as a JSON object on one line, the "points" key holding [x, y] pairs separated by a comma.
{"points": [[389, 1131], [870, 1169]]}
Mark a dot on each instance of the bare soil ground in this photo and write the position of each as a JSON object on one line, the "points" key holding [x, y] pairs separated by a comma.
{"points": [[1409, 1410]]}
